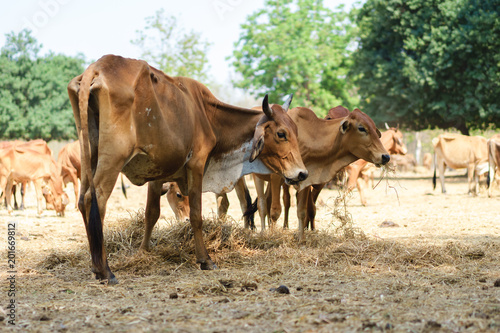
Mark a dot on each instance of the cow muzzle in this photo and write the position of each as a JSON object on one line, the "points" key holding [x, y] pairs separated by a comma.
{"points": [[385, 159], [302, 175]]}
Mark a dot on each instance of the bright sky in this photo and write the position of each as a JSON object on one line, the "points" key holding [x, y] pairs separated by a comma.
{"points": [[96, 28]]}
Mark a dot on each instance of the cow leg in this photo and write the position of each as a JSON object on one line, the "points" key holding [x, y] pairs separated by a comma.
{"points": [[23, 192], [39, 195], [275, 210], [8, 194], [361, 184], [152, 212], [222, 205], [310, 211], [94, 216], [472, 179], [302, 198], [243, 194], [286, 204], [14, 190], [441, 168], [261, 200], [195, 178], [491, 172]]}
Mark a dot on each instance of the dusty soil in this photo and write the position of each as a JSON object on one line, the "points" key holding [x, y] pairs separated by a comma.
{"points": [[436, 269]]}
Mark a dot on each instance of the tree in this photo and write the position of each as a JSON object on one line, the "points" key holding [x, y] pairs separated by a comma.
{"points": [[34, 102], [427, 64], [300, 47], [171, 50]]}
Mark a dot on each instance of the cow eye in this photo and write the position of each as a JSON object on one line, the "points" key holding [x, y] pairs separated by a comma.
{"points": [[179, 195], [361, 129], [282, 135]]}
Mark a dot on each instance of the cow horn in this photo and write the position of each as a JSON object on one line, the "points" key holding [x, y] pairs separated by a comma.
{"points": [[266, 108], [287, 103], [386, 126]]}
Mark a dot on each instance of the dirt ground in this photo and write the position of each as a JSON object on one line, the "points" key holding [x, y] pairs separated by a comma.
{"points": [[436, 269]]}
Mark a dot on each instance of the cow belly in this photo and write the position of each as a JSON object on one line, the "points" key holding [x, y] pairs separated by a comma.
{"points": [[141, 169]]}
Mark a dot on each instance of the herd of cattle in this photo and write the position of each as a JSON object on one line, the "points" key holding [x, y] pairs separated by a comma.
{"points": [[173, 134]]}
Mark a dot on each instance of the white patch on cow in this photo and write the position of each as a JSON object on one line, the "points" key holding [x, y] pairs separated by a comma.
{"points": [[148, 110], [149, 124], [221, 175]]}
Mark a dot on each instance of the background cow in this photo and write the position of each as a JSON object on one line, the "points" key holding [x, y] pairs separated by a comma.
{"points": [[459, 151], [493, 162]]}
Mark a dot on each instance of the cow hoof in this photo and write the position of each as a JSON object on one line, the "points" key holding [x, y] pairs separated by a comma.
{"points": [[112, 281], [208, 266]]}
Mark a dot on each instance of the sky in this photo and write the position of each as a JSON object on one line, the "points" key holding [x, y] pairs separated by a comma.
{"points": [[96, 28]]}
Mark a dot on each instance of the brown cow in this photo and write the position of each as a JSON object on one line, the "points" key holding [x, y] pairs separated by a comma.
{"points": [[493, 161], [25, 165], [427, 161], [329, 145], [69, 165], [38, 145], [133, 118], [458, 152]]}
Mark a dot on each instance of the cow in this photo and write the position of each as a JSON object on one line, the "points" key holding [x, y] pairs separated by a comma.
{"points": [[69, 166], [268, 203], [493, 161], [38, 145], [459, 151], [427, 161], [135, 119], [327, 146], [177, 201], [26, 165]]}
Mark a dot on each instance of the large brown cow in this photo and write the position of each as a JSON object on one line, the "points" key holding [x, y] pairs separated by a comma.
{"points": [[26, 165], [132, 118], [493, 161], [458, 152], [329, 145], [68, 162]]}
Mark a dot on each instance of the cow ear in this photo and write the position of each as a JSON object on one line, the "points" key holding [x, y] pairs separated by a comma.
{"points": [[287, 103], [379, 134], [344, 126], [258, 144], [266, 108]]}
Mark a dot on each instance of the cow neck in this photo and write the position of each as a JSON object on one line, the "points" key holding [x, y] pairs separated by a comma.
{"points": [[232, 125], [234, 128]]}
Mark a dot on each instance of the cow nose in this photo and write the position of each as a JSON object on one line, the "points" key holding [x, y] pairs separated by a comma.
{"points": [[386, 158], [303, 175]]}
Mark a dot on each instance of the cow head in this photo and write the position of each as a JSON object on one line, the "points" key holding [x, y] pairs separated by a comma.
{"points": [[57, 200], [361, 136], [392, 140], [275, 143], [178, 202]]}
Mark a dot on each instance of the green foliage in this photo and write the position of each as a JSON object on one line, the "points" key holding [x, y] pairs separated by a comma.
{"points": [[33, 96], [176, 53], [430, 63], [300, 47]]}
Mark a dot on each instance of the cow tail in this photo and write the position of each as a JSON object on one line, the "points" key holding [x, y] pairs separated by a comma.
{"points": [[94, 224], [434, 177], [251, 209], [124, 189]]}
